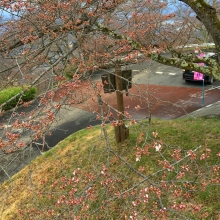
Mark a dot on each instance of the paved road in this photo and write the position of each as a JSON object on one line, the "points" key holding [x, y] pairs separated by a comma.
{"points": [[157, 74], [162, 91], [69, 121]]}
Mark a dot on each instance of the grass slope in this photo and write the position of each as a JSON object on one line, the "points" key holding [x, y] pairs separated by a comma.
{"points": [[34, 189]]}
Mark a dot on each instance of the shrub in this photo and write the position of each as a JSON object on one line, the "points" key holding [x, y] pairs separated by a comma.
{"points": [[69, 71], [29, 94], [10, 92]]}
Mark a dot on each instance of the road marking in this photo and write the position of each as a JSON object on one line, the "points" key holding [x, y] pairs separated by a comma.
{"points": [[209, 105], [136, 70], [217, 87], [171, 74]]}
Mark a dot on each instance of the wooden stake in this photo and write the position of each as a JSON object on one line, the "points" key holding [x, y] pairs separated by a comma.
{"points": [[120, 104]]}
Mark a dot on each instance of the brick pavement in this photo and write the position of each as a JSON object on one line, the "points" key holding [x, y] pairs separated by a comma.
{"points": [[166, 102]]}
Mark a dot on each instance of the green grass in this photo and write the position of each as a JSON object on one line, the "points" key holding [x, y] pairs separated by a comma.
{"points": [[10, 92], [87, 150]]}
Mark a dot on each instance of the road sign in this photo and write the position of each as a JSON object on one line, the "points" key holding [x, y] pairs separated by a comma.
{"points": [[109, 81]]}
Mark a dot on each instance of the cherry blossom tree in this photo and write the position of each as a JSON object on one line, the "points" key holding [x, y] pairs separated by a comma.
{"points": [[40, 41]]}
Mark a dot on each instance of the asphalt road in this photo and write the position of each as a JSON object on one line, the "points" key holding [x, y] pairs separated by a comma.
{"points": [[157, 74], [149, 73]]}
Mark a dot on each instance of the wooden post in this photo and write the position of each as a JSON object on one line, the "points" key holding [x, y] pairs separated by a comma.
{"points": [[117, 134], [120, 131]]}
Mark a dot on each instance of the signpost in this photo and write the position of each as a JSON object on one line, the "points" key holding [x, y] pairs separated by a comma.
{"points": [[119, 81], [200, 76], [119, 130], [203, 93]]}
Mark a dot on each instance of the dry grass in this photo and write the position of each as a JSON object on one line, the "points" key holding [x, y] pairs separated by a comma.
{"points": [[57, 162]]}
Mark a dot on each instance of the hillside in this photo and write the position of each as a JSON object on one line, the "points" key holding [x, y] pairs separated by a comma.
{"points": [[170, 175]]}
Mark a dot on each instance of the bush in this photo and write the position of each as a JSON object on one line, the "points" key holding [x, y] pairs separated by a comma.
{"points": [[69, 71], [10, 92], [29, 94]]}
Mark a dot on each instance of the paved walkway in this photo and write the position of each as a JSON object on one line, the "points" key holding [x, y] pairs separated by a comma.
{"points": [[211, 110]]}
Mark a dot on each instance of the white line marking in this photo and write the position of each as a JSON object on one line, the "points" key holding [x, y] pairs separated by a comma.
{"points": [[136, 70], [217, 87], [209, 105], [210, 89], [159, 72], [172, 74]]}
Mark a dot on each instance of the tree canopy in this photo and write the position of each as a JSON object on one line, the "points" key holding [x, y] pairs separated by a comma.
{"points": [[57, 46], [92, 33]]}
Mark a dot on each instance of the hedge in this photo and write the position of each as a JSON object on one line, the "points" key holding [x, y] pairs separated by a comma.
{"points": [[10, 92]]}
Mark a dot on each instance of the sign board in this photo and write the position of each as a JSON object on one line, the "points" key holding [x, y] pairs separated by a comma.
{"points": [[109, 81], [127, 74], [197, 75]]}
